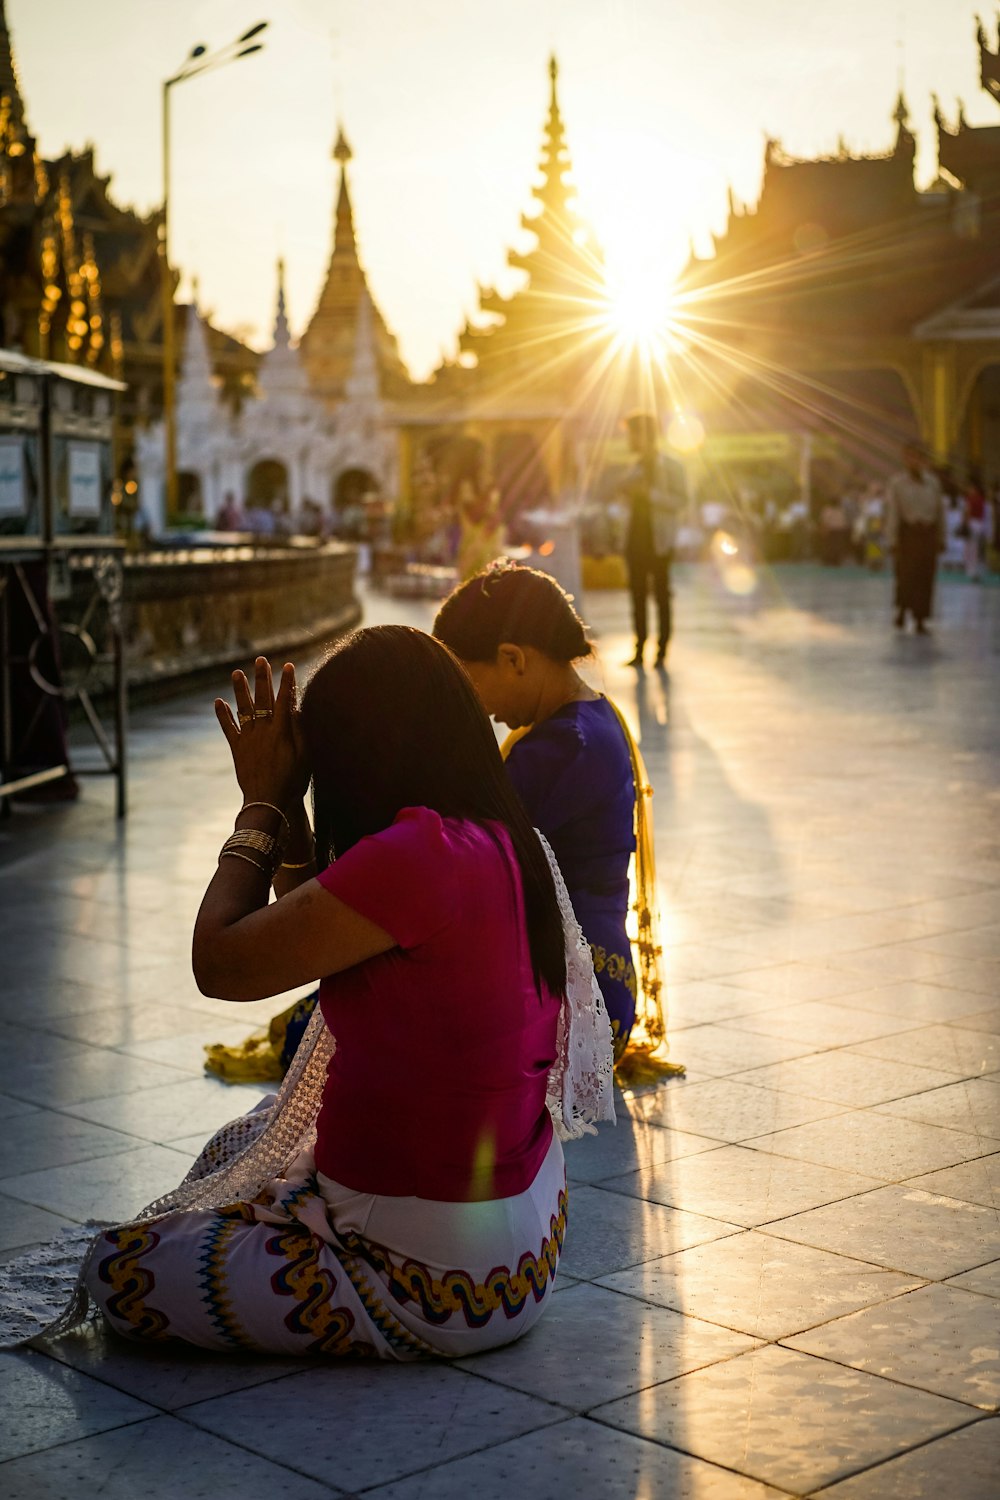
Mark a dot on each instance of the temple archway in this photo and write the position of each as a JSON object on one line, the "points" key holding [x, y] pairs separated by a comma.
{"points": [[267, 484], [190, 493], [979, 432], [351, 488]]}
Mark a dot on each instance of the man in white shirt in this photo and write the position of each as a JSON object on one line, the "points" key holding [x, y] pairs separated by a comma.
{"points": [[915, 534]]}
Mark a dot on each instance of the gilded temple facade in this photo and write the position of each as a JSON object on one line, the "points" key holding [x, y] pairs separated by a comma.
{"points": [[848, 301]]}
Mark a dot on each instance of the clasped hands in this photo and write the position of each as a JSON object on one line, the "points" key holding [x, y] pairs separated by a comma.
{"points": [[265, 738]]}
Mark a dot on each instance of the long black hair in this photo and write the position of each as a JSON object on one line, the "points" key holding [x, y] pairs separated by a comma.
{"points": [[509, 603], [391, 720]]}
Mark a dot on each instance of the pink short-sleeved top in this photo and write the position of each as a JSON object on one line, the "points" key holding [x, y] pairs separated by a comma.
{"points": [[437, 1086]]}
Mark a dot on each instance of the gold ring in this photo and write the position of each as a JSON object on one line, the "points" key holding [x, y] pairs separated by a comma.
{"points": [[244, 718], [263, 713]]}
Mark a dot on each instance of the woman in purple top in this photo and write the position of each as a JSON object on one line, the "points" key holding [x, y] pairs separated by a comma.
{"points": [[517, 635]]}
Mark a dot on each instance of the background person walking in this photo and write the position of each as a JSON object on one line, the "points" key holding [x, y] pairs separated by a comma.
{"points": [[975, 527], [915, 536], [656, 491]]}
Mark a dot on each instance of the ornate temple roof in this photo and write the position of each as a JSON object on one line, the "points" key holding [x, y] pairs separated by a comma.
{"points": [[971, 153], [328, 343]]}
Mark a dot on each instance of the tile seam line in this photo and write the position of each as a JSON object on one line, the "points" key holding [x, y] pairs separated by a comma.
{"points": [[68, 1442], [908, 1385], [594, 1415], [890, 1458]]}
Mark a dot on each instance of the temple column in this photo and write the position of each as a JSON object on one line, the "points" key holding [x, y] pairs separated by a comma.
{"points": [[939, 416]]}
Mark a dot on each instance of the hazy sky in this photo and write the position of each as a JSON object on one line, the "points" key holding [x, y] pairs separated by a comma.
{"points": [[443, 101]]}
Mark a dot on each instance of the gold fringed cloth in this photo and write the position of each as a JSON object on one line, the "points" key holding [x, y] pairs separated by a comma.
{"points": [[645, 1059], [264, 1057]]}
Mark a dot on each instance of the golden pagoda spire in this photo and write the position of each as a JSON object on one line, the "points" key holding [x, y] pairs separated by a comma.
{"points": [[344, 237], [9, 89], [328, 344], [536, 332]]}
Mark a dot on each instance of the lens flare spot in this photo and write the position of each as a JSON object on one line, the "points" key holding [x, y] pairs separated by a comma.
{"points": [[685, 433]]}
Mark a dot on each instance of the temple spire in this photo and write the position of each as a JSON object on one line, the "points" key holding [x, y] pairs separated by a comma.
{"points": [[344, 238], [905, 139], [9, 88], [197, 398], [22, 177], [282, 335], [328, 344]]}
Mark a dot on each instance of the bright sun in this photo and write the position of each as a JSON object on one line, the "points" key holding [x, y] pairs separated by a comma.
{"points": [[639, 307]]}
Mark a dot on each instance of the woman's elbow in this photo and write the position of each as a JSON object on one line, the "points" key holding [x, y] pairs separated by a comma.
{"points": [[215, 976]]}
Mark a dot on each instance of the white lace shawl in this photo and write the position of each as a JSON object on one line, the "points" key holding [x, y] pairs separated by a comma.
{"points": [[43, 1291]]}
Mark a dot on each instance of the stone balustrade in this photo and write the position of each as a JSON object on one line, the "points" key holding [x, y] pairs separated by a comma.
{"points": [[189, 611]]}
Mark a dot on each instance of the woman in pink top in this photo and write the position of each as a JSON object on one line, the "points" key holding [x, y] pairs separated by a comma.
{"points": [[430, 1216]]}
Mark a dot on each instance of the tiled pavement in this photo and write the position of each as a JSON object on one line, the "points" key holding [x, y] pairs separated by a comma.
{"points": [[782, 1274]]}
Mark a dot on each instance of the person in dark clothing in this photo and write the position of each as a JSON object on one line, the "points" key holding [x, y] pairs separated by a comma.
{"points": [[915, 536], [656, 490]]}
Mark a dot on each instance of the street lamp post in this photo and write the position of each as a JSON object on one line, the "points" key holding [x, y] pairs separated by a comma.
{"points": [[199, 61]]}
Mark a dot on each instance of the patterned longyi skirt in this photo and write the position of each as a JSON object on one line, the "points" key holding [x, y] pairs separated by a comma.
{"points": [[312, 1267]]}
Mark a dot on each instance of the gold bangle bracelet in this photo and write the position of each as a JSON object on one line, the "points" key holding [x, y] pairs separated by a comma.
{"points": [[271, 808], [287, 864], [247, 858], [253, 838]]}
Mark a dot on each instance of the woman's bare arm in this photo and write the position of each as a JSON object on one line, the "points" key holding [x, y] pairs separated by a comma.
{"points": [[245, 948]]}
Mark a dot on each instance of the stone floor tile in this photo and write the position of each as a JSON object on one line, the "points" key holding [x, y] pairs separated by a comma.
{"points": [[33, 1142], [608, 1231], [972, 1106], [984, 1020], [707, 961], [438, 1413], [824, 1023], [22, 1045], [22, 1224], [161, 1459], [843, 1077], [902, 1228], [729, 1111], [43, 1403], [742, 1185], [579, 1458], [974, 1181], [702, 1002], [883, 964], [32, 1002], [186, 1051], [168, 1376], [877, 1144], [921, 1001], [630, 1145], [954, 1049], [173, 1109], [972, 943], [593, 1341], [938, 1338], [94, 1074], [786, 1418], [9, 1107], [984, 1279], [964, 1464], [979, 975], [124, 1026], [716, 1050], [107, 1187], [798, 982], [759, 1285]]}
